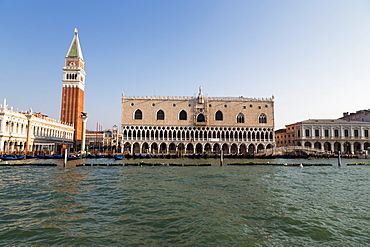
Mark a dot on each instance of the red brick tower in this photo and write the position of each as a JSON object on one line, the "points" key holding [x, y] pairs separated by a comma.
{"points": [[73, 87]]}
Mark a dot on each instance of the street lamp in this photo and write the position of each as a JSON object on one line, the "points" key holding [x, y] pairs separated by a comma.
{"points": [[84, 118]]}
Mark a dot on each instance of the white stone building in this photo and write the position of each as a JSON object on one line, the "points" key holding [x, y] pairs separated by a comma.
{"points": [[330, 135], [30, 131]]}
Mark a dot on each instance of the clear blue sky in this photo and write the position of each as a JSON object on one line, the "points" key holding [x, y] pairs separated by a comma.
{"points": [[313, 56]]}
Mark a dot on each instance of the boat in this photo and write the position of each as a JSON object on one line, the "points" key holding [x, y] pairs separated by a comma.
{"points": [[31, 156], [118, 157], [12, 157], [73, 157]]}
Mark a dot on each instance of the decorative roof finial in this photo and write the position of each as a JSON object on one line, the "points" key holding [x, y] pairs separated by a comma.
{"points": [[76, 31], [200, 96]]}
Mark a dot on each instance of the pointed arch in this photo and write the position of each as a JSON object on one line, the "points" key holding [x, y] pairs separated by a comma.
{"points": [[138, 114], [160, 115], [219, 116], [201, 118], [240, 118], [183, 115], [262, 118]]}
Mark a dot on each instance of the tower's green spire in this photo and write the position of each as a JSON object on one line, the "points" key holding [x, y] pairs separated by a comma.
{"points": [[75, 48]]}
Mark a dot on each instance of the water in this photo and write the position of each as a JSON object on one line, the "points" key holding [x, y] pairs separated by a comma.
{"points": [[185, 206]]}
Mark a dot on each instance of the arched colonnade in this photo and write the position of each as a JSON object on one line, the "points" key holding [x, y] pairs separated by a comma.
{"points": [[194, 147], [346, 147]]}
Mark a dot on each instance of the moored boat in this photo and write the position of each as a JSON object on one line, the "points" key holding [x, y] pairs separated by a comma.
{"points": [[74, 157], [118, 157], [31, 156], [20, 157]]}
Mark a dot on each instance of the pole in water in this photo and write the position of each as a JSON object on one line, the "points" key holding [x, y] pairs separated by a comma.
{"points": [[222, 158], [339, 161], [65, 158]]}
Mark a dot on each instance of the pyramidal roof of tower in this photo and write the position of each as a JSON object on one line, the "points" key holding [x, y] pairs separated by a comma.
{"points": [[75, 48]]}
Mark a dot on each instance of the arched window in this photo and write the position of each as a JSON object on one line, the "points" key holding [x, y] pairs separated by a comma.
{"points": [[219, 116], [201, 118], [138, 114], [262, 118], [160, 115], [240, 118], [183, 115]]}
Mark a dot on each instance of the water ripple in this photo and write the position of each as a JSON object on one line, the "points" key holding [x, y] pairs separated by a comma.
{"points": [[174, 206]]}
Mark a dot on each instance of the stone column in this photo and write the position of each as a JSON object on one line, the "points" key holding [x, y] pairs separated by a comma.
{"points": [[29, 132], [2, 148]]}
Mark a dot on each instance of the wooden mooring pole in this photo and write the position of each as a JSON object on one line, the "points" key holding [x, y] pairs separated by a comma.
{"points": [[65, 158], [339, 160]]}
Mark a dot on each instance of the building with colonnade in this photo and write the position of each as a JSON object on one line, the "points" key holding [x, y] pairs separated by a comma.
{"points": [[32, 132], [197, 125], [330, 135]]}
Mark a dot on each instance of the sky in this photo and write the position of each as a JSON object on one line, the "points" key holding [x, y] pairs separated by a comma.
{"points": [[313, 56]]}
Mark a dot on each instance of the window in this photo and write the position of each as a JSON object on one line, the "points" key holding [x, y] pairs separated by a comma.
{"points": [[336, 133], [356, 133], [201, 118], [299, 133], [326, 133], [346, 133], [183, 115], [366, 133], [307, 132], [219, 116], [317, 133], [262, 118], [160, 115], [138, 114], [240, 118]]}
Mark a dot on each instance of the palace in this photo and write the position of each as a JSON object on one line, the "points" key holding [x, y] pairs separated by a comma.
{"points": [[197, 125]]}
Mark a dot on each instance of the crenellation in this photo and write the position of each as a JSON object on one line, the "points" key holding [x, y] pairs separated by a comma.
{"points": [[187, 98]]}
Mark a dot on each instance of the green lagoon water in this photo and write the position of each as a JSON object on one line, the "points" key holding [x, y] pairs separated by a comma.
{"points": [[185, 206]]}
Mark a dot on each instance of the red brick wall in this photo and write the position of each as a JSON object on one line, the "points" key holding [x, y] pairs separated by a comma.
{"points": [[71, 108]]}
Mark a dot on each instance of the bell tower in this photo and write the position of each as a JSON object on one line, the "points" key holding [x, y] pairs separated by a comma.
{"points": [[73, 93]]}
